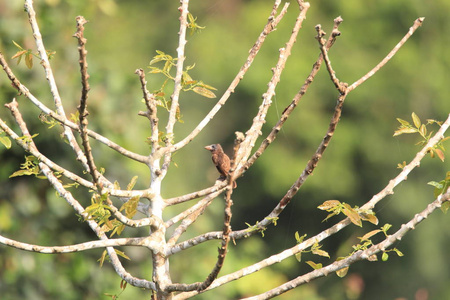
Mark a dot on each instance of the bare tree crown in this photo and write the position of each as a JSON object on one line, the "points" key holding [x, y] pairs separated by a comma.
{"points": [[112, 208]]}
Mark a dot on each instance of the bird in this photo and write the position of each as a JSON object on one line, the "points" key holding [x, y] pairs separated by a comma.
{"points": [[220, 160]]}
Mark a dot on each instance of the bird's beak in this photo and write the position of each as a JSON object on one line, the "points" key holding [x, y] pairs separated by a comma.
{"points": [[209, 147]]}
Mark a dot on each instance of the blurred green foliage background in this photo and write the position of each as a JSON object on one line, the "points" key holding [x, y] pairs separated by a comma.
{"points": [[362, 158]]}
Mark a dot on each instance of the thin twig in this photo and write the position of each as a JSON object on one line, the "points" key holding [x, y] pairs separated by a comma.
{"points": [[220, 185], [175, 97], [138, 241], [388, 190], [226, 222], [82, 108], [288, 110], [51, 81], [312, 163], [117, 265], [150, 102], [76, 205], [30, 147], [262, 225], [62, 119], [341, 87], [417, 23], [268, 28], [255, 130], [188, 217], [358, 256]]}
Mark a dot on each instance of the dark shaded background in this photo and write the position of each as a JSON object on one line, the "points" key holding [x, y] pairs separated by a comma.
{"points": [[362, 158]]}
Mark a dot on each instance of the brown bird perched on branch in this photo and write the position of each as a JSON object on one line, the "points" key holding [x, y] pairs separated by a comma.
{"points": [[220, 160]]}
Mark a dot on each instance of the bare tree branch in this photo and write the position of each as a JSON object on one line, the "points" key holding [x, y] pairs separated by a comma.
{"points": [[270, 26], [417, 23], [51, 80], [82, 108], [74, 248], [62, 119], [287, 111], [388, 190], [151, 113], [360, 255], [220, 185], [341, 87], [174, 107], [255, 130]]}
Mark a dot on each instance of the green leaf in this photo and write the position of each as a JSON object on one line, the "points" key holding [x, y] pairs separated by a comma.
{"points": [[320, 252], [5, 141], [352, 214], [386, 227], [385, 256], [329, 204], [423, 130], [438, 185], [405, 130], [299, 238], [298, 256], [29, 60], [416, 120], [403, 122], [370, 218], [440, 154], [120, 253], [17, 45], [370, 234], [102, 258], [204, 92], [133, 181], [19, 55], [342, 272], [21, 173], [445, 207], [314, 265], [130, 207], [399, 253], [331, 215]]}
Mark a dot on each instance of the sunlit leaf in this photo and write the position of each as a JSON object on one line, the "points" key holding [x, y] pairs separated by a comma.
{"points": [[102, 258], [5, 141], [386, 227], [19, 54], [369, 218], [314, 265], [21, 173], [438, 185], [352, 214], [329, 204], [416, 120], [405, 130], [120, 253], [445, 207], [342, 272], [440, 154], [423, 130], [29, 60], [204, 92], [133, 181], [385, 256], [299, 238], [370, 234], [403, 122], [320, 252], [330, 215]]}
